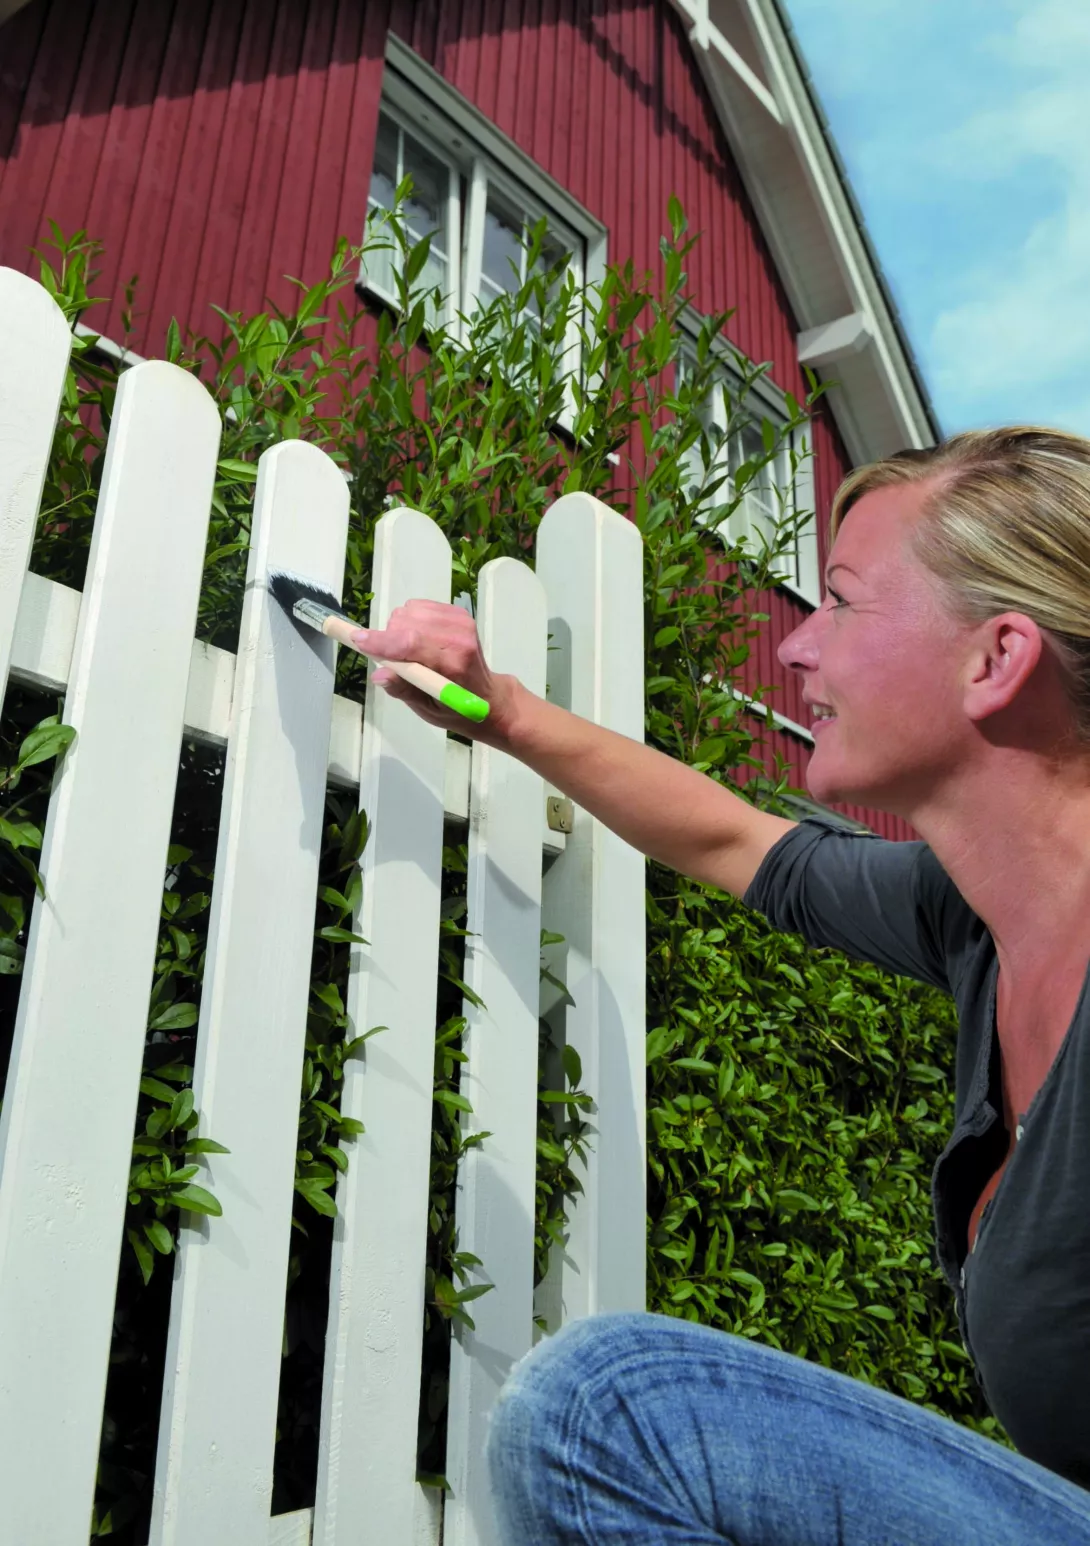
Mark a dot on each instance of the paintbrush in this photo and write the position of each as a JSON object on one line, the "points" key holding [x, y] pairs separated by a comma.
{"points": [[318, 608]]}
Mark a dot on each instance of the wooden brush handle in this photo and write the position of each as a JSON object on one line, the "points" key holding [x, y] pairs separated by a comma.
{"points": [[429, 681]]}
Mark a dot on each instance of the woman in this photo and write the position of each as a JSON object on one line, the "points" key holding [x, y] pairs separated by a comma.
{"points": [[949, 670]]}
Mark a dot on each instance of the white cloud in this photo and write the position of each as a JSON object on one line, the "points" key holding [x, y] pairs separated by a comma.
{"points": [[1017, 345]]}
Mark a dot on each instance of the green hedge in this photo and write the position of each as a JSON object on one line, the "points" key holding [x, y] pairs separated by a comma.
{"points": [[796, 1101]]}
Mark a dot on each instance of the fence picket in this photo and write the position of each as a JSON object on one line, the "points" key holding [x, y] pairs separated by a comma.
{"points": [[495, 1202], [66, 1130], [367, 1453], [214, 1473], [33, 363], [590, 561]]}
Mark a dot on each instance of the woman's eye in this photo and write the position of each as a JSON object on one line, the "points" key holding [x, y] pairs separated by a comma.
{"points": [[840, 602]]}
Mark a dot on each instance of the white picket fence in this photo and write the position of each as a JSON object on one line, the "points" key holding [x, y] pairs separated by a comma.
{"points": [[135, 681]]}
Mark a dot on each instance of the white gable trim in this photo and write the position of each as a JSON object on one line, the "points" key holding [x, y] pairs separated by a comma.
{"points": [[704, 34], [834, 340], [806, 215]]}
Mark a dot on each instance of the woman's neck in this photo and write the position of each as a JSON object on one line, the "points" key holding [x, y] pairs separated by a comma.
{"points": [[1016, 842]]}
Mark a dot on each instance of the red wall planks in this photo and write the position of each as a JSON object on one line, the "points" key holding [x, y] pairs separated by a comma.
{"points": [[216, 145]]}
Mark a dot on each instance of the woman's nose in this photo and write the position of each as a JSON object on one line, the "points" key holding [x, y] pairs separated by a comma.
{"points": [[799, 651]]}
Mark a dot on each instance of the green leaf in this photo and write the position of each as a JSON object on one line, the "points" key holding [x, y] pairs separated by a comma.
{"points": [[20, 834], [195, 1199], [474, 1292], [157, 1089], [11, 958], [204, 1146], [142, 1254], [330, 995], [572, 1065], [452, 1101], [43, 742], [353, 1046], [331, 931], [181, 1108], [158, 1122], [336, 1156], [236, 468], [159, 1236], [174, 1017], [788, 1197], [319, 1199], [414, 263]]}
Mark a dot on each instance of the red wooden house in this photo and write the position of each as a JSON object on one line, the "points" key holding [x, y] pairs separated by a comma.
{"points": [[214, 146]]}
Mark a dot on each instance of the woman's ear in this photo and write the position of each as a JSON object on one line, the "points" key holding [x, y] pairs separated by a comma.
{"points": [[1006, 654]]}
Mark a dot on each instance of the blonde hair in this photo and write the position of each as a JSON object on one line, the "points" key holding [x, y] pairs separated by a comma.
{"points": [[1006, 529]]}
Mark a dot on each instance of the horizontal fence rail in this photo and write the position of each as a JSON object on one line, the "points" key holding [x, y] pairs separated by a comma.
{"points": [[137, 684], [41, 654]]}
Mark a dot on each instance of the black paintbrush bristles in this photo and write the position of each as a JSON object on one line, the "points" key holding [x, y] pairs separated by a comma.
{"points": [[289, 589]]}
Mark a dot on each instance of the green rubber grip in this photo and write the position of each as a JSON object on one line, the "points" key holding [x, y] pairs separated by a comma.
{"points": [[464, 702]]}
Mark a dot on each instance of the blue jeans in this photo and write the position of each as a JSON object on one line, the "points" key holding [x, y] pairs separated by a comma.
{"points": [[641, 1430]]}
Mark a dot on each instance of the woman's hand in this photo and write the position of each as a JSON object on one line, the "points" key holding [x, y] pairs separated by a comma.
{"points": [[444, 637]]}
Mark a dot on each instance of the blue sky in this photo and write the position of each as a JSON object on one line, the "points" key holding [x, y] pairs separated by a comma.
{"points": [[965, 128]]}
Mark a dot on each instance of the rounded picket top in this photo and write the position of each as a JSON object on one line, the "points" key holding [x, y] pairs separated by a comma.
{"points": [[404, 525], [156, 390], [300, 515], [574, 517], [33, 363], [27, 307], [512, 611]]}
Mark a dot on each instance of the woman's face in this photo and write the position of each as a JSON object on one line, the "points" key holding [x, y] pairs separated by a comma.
{"points": [[882, 653]]}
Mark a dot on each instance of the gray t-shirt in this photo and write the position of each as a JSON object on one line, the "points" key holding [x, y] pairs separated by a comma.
{"points": [[1023, 1293]]}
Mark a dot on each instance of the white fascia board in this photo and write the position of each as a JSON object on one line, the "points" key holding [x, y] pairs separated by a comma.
{"points": [[816, 166], [790, 177], [705, 36], [833, 340]]}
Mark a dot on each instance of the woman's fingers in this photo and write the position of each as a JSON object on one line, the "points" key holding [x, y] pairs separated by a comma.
{"points": [[444, 638]]}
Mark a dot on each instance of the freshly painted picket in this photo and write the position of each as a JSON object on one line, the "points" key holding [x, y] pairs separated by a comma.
{"points": [[214, 1473], [70, 1100], [135, 679], [590, 562], [495, 1197], [367, 1449], [34, 329]]}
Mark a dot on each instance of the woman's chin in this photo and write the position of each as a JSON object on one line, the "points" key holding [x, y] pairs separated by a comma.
{"points": [[829, 786]]}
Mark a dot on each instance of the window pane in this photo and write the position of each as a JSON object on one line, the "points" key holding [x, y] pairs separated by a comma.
{"points": [[550, 255], [384, 171], [704, 411], [502, 248], [425, 213], [426, 208]]}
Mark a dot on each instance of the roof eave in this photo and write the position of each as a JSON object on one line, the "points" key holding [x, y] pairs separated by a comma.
{"points": [[849, 329]]}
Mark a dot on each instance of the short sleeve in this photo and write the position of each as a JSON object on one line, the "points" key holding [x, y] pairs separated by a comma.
{"points": [[888, 903]]}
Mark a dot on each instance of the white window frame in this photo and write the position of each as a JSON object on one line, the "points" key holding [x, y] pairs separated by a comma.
{"points": [[804, 579], [422, 103], [370, 281]]}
